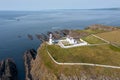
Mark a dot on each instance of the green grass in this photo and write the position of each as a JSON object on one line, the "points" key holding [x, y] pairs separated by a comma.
{"points": [[113, 36], [115, 48], [66, 43], [94, 31], [102, 54], [92, 40], [76, 70], [89, 31]]}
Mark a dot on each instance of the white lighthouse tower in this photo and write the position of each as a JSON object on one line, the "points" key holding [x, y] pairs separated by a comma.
{"points": [[50, 39]]}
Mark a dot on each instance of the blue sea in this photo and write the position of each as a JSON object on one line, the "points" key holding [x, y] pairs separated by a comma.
{"points": [[16, 25]]}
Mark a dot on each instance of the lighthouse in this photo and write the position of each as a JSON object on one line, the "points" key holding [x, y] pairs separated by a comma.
{"points": [[50, 39]]}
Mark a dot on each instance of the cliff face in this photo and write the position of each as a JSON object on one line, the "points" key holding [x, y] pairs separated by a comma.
{"points": [[28, 57], [36, 69], [8, 70], [40, 72]]}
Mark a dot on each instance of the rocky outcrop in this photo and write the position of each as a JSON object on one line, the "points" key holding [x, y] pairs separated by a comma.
{"points": [[65, 32], [101, 27], [40, 72], [28, 57], [83, 76], [38, 69], [8, 70], [30, 36], [35, 70]]}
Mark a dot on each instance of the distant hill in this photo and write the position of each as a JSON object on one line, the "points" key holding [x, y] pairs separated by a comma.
{"points": [[102, 27], [106, 9]]}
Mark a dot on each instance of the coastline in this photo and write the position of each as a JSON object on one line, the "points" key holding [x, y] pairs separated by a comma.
{"points": [[39, 70], [30, 59]]}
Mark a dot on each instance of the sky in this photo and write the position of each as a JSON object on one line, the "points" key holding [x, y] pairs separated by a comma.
{"points": [[36, 5]]}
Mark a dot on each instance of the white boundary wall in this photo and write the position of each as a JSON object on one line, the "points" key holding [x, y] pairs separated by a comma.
{"points": [[84, 43]]}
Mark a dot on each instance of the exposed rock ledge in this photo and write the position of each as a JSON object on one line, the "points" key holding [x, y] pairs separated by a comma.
{"points": [[8, 70], [36, 70], [28, 57]]}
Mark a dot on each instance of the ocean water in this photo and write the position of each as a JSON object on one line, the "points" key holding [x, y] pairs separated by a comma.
{"points": [[16, 25]]}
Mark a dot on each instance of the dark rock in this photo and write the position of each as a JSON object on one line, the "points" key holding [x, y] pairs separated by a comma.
{"points": [[56, 36], [42, 37], [19, 36], [49, 33], [39, 36], [45, 37], [28, 57], [30, 36], [65, 32], [8, 70], [57, 32]]}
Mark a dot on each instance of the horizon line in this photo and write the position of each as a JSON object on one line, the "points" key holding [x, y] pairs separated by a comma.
{"points": [[112, 8]]}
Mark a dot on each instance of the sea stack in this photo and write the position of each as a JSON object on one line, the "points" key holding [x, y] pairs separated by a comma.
{"points": [[8, 70]]}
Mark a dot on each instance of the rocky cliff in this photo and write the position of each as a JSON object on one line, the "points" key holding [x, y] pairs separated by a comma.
{"points": [[34, 68], [40, 67], [8, 70], [28, 57]]}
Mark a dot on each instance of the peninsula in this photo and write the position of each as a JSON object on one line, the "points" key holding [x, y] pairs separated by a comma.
{"points": [[58, 57]]}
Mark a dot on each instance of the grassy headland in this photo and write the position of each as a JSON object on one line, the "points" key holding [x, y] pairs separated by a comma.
{"points": [[94, 56], [113, 36], [101, 54], [92, 40]]}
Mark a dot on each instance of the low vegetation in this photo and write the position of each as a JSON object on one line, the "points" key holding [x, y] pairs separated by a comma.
{"points": [[67, 56], [102, 54], [66, 43], [93, 40], [102, 27], [113, 36]]}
